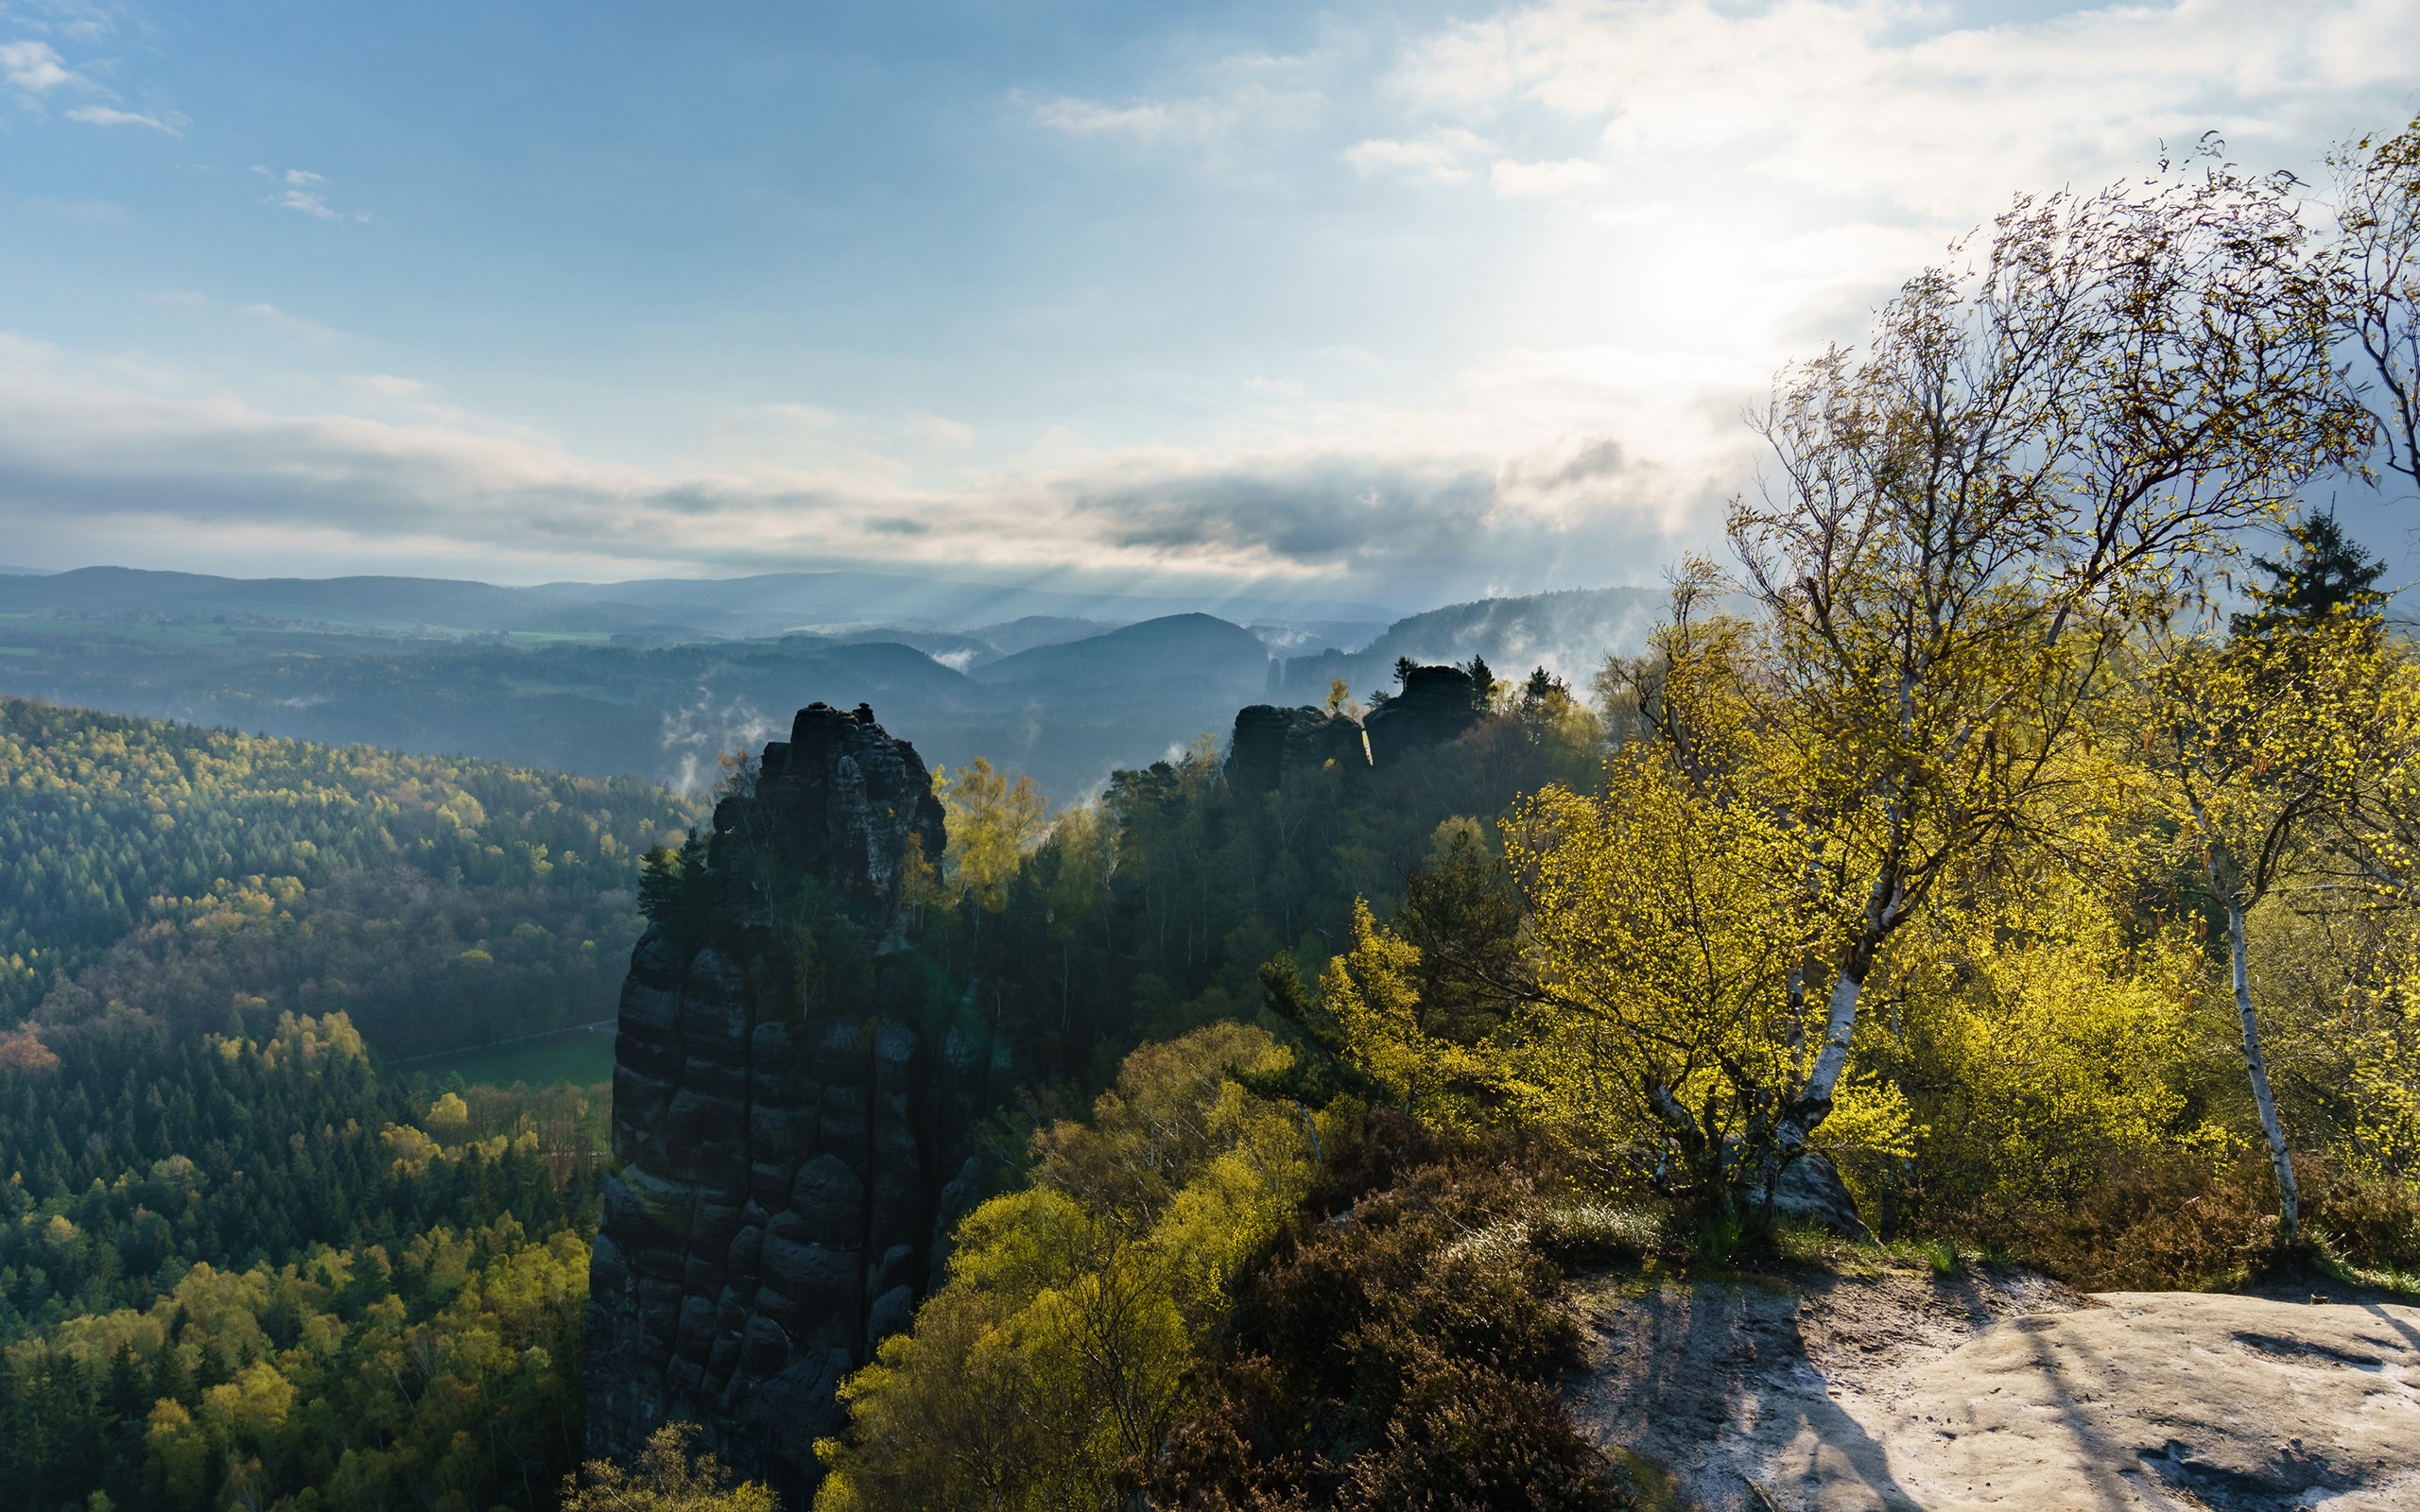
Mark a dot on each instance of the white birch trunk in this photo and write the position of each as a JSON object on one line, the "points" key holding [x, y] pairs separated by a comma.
{"points": [[2288, 1202], [1840, 1027]]}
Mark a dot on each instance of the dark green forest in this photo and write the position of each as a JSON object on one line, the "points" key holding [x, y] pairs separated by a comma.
{"points": [[183, 876]]}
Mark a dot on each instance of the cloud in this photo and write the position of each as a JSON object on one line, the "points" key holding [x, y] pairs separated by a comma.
{"points": [[304, 202], [1077, 117], [89, 459], [938, 433], [388, 385], [79, 19], [302, 196], [270, 315], [104, 115], [1885, 100], [1531, 372], [1251, 96], [1439, 155], [1545, 181], [34, 67]]}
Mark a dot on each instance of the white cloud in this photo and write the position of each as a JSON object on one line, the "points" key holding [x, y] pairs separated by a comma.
{"points": [[1253, 96], [1077, 117], [104, 115], [1441, 155], [79, 19], [1878, 98], [302, 196], [269, 315], [1545, 181], [303, 202], [388, 386], [938, 433], [1680, 194], [34, 67]]}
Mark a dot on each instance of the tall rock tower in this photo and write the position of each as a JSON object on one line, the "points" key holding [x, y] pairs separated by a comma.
{"points": [[794, 1093]]}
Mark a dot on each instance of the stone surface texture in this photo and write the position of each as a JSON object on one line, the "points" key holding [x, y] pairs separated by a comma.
{"points": [[1902, 1390], [793, 1103]]}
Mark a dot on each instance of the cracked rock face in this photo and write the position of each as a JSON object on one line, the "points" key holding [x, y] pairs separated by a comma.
{"points": [[794, 1093]]}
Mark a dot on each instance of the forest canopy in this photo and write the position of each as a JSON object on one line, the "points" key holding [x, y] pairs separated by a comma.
{"points": [[181, 875]]}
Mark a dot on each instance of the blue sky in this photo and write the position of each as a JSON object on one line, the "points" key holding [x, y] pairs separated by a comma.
{"points": [[1413, 301]]}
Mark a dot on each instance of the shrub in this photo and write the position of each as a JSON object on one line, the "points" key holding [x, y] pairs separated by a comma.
{"points": [[1398, 1348], [2369, 1219], [2158, 1224]]}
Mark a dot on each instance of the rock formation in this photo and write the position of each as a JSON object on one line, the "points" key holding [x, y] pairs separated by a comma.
{"points": [[1886, 1386], [794, 1091], [1274, 748], [1435, 705]]}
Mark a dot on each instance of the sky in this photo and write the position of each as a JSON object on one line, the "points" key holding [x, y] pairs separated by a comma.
{"points": [[1405, 302]]}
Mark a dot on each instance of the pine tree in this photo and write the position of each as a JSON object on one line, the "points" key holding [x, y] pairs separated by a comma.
{"points": [[2324, 572]]}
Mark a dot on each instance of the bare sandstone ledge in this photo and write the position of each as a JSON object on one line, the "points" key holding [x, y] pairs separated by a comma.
{"points": [[1997, 1389]]}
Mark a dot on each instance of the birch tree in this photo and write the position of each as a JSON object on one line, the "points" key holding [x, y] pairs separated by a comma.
{"points": [[2256, 748], [1964, 521], [2377, 223]]}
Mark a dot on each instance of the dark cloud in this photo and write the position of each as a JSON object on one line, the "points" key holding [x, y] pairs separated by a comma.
{"points": [[1334, 513], [77, 462]]}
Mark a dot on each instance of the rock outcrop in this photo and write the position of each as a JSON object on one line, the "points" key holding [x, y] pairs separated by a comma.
{"points": [[1435, 705], [794, 1093], [1887, 1389], [1274, 748]]}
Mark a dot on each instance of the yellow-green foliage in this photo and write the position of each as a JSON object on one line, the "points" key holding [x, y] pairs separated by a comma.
{"points": [[1374, 992], [2340, 990], [1061, 1347], [2041, 1045], [440, 1375], [993, 822], [1675, 939], [666, 1479]]}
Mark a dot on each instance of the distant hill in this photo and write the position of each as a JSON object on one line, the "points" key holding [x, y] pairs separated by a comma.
{"points": [[545, 677], [852, 599], [1569, 633], [1025, 633], [656, 611], [170, 871], [1179, 649], [1066, 714]]}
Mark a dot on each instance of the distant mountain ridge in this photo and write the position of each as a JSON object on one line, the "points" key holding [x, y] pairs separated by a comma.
{"points": [[1569, 632], [660, 610], [548, 678]]}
